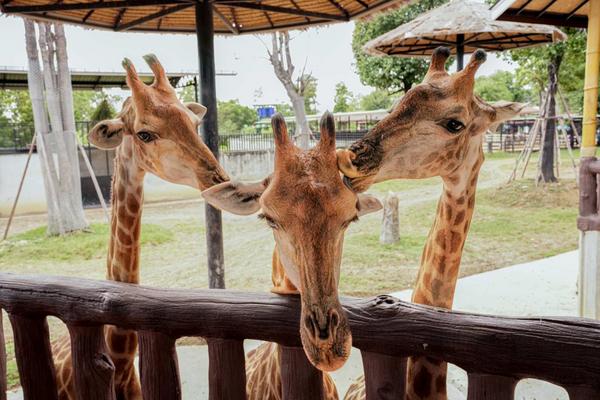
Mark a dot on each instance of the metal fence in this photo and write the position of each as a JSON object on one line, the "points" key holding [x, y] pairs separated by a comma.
{"points": [[510, 136]]}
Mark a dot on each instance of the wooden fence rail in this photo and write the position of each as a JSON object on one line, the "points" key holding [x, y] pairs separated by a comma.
{"points": [[495, 351]]}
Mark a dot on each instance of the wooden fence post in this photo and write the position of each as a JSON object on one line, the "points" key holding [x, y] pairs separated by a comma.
{"points": [[34, 358], [385, 376], [390, 227], [159, 369], [226, 369], [491, 387], [299, 379], [93, 369]]}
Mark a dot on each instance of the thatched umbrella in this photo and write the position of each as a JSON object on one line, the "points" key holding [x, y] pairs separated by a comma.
{"points": [[462, 25], [205, 19]]}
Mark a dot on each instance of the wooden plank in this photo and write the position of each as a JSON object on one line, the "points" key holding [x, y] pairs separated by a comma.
{"points": [[159, 369], [520, 347], [34, 358], [93, 369], [3, 385], [491, 387], [583, 392], [226, 369], [385, 376], [299, 379]]}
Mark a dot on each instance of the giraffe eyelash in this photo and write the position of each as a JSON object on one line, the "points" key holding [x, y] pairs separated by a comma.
{"points": [[268, 220]]}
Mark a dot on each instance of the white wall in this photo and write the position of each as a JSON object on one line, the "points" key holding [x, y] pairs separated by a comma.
{"points": [[240, 166]]}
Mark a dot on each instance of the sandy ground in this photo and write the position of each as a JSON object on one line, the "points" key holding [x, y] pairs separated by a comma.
{"points": [[546, 287]]}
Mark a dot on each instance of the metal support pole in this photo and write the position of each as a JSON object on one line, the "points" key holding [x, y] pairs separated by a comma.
{"points": [[210, 135], [460, 51]]}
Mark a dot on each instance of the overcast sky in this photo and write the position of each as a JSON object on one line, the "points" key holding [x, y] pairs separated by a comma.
{"points": [[326, 51]]}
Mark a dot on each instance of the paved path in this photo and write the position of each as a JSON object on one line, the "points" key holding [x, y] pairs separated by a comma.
{"points": [[545, 287]]}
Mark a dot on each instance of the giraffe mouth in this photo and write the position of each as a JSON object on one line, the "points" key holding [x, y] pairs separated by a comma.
{"points": [[326, 338]]}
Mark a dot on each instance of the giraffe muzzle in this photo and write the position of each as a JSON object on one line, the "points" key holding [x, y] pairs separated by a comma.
{"points": [[325, 337]]}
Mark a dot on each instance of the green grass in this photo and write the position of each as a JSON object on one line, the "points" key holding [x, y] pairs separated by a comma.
{"points": [[35, 244]]}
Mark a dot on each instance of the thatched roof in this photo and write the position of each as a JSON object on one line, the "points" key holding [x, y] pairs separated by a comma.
{"points": [[552, 12], [441, 27], [230, 17]]}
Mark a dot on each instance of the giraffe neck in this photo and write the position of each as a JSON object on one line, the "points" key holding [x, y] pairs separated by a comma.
{"points": [[127, 198], [443, 250]]}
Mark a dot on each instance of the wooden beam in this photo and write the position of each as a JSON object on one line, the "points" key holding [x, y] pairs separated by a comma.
{"points": [[86, 6], [153, 16], [297, 7], [339, 7], [227, 23], [285, 10], [546, 7], [548, 18], [584, 2], [482, 344]]}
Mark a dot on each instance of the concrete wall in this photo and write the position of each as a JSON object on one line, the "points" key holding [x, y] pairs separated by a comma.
{"points": [[245, 166]]}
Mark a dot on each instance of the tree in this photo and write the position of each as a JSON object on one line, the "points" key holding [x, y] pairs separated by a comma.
{"points": [[15, 106], [281, 59], [546, 67], [310, 92], [394, 74], [502, 85], [234, 117], [51, 97], [344, 99], [376, 100], [104, 110]]}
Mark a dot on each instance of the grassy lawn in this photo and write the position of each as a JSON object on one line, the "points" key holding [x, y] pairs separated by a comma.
{"points": [[512, 224]]}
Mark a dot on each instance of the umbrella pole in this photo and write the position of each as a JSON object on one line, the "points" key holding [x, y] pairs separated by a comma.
{"points": [[460, 51], [210, 135], [589, 243]]}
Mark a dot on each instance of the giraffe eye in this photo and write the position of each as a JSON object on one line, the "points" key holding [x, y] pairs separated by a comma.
{"points": [[454, 126], [145, 136]]}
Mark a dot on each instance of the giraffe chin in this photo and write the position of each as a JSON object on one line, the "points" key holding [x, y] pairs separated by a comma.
{"points": [[327, 355]]}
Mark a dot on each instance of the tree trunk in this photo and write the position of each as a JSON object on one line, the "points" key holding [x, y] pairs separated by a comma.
{"points": [[68, 119], [62, 183], [547, 162], [281, 59], [40, 120], [302, 132]]}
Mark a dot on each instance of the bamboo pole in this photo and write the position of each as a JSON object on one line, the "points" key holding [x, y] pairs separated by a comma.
{"points": [[590, 91], [14, 207]]}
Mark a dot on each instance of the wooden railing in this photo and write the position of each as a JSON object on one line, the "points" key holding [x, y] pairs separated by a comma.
{"points": [[495, 351]]}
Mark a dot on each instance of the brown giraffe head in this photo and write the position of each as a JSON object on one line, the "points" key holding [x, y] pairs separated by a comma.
{"points": [[162, 130], [308, 207], [428, 131]]}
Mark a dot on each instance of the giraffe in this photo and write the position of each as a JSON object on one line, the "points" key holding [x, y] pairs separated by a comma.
{"points": [[154, 133], [308, 207], [436, 129]]}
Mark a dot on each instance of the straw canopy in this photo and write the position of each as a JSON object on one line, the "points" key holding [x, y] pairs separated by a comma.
{"points": [[460, 23], [178, 16]]}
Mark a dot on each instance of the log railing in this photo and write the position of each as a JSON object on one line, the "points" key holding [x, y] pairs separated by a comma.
{"points": [[495, 351]]}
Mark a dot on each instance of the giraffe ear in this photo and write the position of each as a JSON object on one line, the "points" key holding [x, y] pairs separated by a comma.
{"points": [[198, 109], [368, 204], [107, 134], [503, 111], [235, 197]]}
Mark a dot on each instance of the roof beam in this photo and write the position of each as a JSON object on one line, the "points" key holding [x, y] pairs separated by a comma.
{"points": [[584, 2], [546, 7], [548, 18], [227, 23], [284, 10], [86, 6], [339, 7], [153, 16], [298, 8]]}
